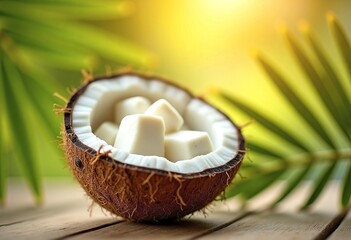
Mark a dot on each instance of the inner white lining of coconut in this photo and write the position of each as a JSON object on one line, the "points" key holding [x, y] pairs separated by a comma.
{"points": [[95, 106]]}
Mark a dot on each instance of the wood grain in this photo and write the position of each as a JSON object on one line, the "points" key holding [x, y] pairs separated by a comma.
{"points": [[65, 216], [344, 229], [274, 226], [56, 225], [183, 229], [59, 195]]}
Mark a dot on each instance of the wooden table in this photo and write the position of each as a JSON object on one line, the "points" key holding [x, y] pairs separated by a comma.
{"points": [[65, 215]]}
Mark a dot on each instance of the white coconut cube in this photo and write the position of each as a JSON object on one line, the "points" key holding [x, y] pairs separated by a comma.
{"points": [[183, 145], [107, 131], [130, 106], [141, 134], [173, 120]]}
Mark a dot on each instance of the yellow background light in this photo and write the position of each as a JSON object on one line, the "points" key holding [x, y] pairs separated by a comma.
{"points": [[203, 43]]}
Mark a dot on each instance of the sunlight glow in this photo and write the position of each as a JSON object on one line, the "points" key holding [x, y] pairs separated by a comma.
{"points": [[223, 6]]}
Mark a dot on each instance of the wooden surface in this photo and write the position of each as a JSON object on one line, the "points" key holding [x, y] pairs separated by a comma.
{"points": [[65, 215]]}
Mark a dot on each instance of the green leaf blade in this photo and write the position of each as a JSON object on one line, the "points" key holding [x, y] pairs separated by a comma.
{"points": [[319, 185], [83, 10], [42, 104], [265, 121], [79, 36], [3, 159], [346, 188], [323, 86], [19, 131], [292, 183], [60, 60], [334, 86], [341, 40], [251, 186], [264, 150], [295, 101]]}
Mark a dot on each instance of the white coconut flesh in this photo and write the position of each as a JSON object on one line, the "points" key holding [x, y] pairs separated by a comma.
{"points": [[95, 106]]}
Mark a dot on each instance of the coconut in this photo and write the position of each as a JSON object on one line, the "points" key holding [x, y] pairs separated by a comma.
{"points": [[147, 188]]}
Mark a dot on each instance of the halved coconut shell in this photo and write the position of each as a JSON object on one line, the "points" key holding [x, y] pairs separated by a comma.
{"points": [[140, 193]]}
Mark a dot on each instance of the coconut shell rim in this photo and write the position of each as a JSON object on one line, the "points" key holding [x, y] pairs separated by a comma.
{"points": [[69, 132]]}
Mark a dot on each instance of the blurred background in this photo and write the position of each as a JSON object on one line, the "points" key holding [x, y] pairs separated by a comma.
{"points": [[198, 44]]}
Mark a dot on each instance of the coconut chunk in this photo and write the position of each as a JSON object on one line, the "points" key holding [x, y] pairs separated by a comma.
{"points": [[141, 134], [197, 114], [173, 120], [130, 106], [107, 131], [183, 145]]}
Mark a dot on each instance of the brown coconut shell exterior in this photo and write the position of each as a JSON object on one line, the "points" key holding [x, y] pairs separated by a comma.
{"points": [[138, 193]]}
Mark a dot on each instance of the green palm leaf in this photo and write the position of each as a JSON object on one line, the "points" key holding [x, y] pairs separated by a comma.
{"points": [[346, 192], [320, 183], [43, 43], [319, 164], [264, 150], [268, 123], [249, 187], [322, 84], [17, 128], [341, 104], [3, 163], [291, 185], [295, 101], [342, 41], [77, 9]]}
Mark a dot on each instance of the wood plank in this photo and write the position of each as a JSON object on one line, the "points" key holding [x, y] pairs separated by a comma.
{"points": [[344, 230], [270, 225], [65, 216], [183, 229], [59, 194], [53, 226], [64, 212], [286, 221]]}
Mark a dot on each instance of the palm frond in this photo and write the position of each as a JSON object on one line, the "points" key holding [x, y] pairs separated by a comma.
{"points": [[319, 184], [295, 100], [3, 163], [16, 114], [317, 165], [38, 39], [341, 39], [338, 95], [266, 121], [291, 185], [250, 187], [322, 84], [346, 191], [76, 9], [264, 150]]}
